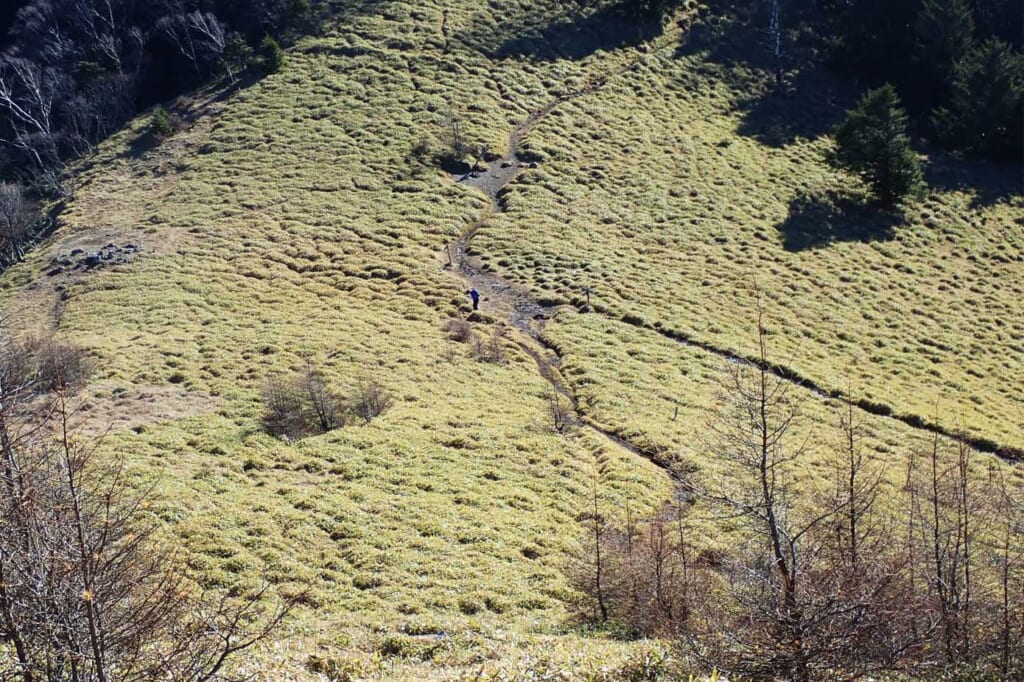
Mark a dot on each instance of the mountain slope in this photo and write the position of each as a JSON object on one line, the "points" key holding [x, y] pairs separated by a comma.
{"points": [[288, 224]]}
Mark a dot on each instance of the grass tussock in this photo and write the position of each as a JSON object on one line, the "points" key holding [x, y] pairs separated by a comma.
{"points": [[431, 506]]}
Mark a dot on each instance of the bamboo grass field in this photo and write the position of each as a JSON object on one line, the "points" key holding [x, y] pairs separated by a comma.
{"points": [[288, 222]]}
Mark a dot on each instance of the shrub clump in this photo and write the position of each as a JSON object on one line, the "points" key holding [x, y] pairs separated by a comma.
{"points": [[271, 55], [303, 404], [160, 123]]}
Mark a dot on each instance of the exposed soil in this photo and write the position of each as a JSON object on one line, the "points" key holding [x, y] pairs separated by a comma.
{"points": [[513, 303]]}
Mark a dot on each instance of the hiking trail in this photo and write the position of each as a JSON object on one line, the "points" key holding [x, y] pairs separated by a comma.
{"points": [[513, 303]]}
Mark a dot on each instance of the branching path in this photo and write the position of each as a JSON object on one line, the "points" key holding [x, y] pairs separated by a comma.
{"points": [[513, 303]]}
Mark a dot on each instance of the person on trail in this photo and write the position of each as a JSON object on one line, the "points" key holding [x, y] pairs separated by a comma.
{"points": [[475, 295]]}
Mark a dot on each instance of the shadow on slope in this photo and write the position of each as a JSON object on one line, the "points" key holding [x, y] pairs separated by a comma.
{"points": [[990, 183], [732, 40], [809, 106], [606, 29], [815, 222]]}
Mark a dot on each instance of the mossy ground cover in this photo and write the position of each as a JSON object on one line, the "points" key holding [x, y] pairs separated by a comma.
{"points": [[287, 225]]}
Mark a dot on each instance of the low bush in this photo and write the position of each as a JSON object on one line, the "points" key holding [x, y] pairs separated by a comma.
{"points": [[303, 404], [160, 123], [459, 330]]}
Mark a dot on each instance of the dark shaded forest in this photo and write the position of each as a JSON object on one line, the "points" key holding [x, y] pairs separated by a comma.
{"points": [[73, 71], [956, 64]]}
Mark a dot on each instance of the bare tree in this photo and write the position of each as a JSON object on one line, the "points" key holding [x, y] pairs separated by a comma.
{"points": [[86, 594], [370, 399], [98, 111], [753, 432], [815, 583], [198, 36], [560, 410], [946, 505], [17, 220], [591, 567], [30, 95], [774, 37], [326, 408], [855, 490], [1007, 555], [100, 22], [638, 576], [212, 38], [283, 413]]}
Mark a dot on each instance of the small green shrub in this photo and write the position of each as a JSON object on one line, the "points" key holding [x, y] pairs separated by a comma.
{"points": [[367, 581], [412, 648], [160, 123], [271, 55], [470, 605], [336, 669]]}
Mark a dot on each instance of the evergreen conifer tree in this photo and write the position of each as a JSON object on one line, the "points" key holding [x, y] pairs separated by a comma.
{"points": [[945, 38], [272, 55], [985, 116], [873, 143]]}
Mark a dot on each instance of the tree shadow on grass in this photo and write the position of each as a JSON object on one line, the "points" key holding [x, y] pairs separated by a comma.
{"points": [[990, 183], [732, 41], [605, 29], [199, 104], [815, 222], [809, 106]]}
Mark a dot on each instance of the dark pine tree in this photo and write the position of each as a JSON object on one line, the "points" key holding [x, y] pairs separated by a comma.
{"points": [[873, 143], [985, 116], [945, 38]]}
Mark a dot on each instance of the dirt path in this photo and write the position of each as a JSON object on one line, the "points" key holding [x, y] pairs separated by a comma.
{"points": [[502, 297], [513, 303]]}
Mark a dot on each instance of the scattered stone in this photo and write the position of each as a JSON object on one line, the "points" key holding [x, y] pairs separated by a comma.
{"points": [[79, 259], [533, 164]]}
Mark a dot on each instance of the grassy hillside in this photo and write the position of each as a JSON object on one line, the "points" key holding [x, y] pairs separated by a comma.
{"points": [[286, 223]]}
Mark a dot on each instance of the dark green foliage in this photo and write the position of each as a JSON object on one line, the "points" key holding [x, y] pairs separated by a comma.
{"points": [[271, 55], [237, 55], [1000, 19], [985, 115], [87, 73], [945, 38], [873, 143], [160, 123], [647, 10], [870, 34], [962, 94], [296, 14]]}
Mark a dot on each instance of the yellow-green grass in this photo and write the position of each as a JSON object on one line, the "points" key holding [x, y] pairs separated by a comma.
{"points": [[648, 194], [286, 225]]}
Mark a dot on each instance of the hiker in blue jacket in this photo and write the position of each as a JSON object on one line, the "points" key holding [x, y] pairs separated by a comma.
{"points": [[475, 295]]}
